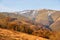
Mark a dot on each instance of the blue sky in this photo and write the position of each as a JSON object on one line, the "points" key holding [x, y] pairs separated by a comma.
{"points": [[17, 5]]}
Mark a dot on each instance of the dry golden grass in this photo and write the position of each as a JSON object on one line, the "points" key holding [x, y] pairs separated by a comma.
{"points": [[12, 35]]}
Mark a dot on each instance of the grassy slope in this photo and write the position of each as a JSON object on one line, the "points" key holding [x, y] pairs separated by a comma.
{"points": [[11, 35]]}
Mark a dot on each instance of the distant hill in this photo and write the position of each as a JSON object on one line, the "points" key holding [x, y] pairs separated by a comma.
{"points": [[41, 16]]}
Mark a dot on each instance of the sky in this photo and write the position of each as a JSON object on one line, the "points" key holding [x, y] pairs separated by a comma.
{"points": [[18, 5]]}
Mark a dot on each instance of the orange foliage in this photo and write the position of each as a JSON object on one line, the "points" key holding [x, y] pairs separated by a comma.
{"points": [[26, 27]]}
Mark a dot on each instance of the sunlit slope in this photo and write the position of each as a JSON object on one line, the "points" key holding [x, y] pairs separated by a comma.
{"points": [[56, 25], [56, 15], [13, 15], [42, 16], [11, 35]]}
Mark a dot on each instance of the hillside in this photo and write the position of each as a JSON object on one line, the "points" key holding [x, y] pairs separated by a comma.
{"points": [[44, 24], [56, 25], [25, 27], [12, 35], [43, 16]]}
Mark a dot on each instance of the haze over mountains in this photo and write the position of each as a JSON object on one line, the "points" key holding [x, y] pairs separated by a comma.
{"points": [[42, 23]]}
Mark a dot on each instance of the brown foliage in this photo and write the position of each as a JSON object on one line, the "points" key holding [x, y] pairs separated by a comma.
{"points": [[13, 35], [22, 26], [43, 33]]}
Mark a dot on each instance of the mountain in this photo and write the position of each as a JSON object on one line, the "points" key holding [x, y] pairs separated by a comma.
{"points": [[56, 15], [31, 18], [13, 15], [19, 23], [39, 16], [43, 16], [28, 13], [42, 23]]}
